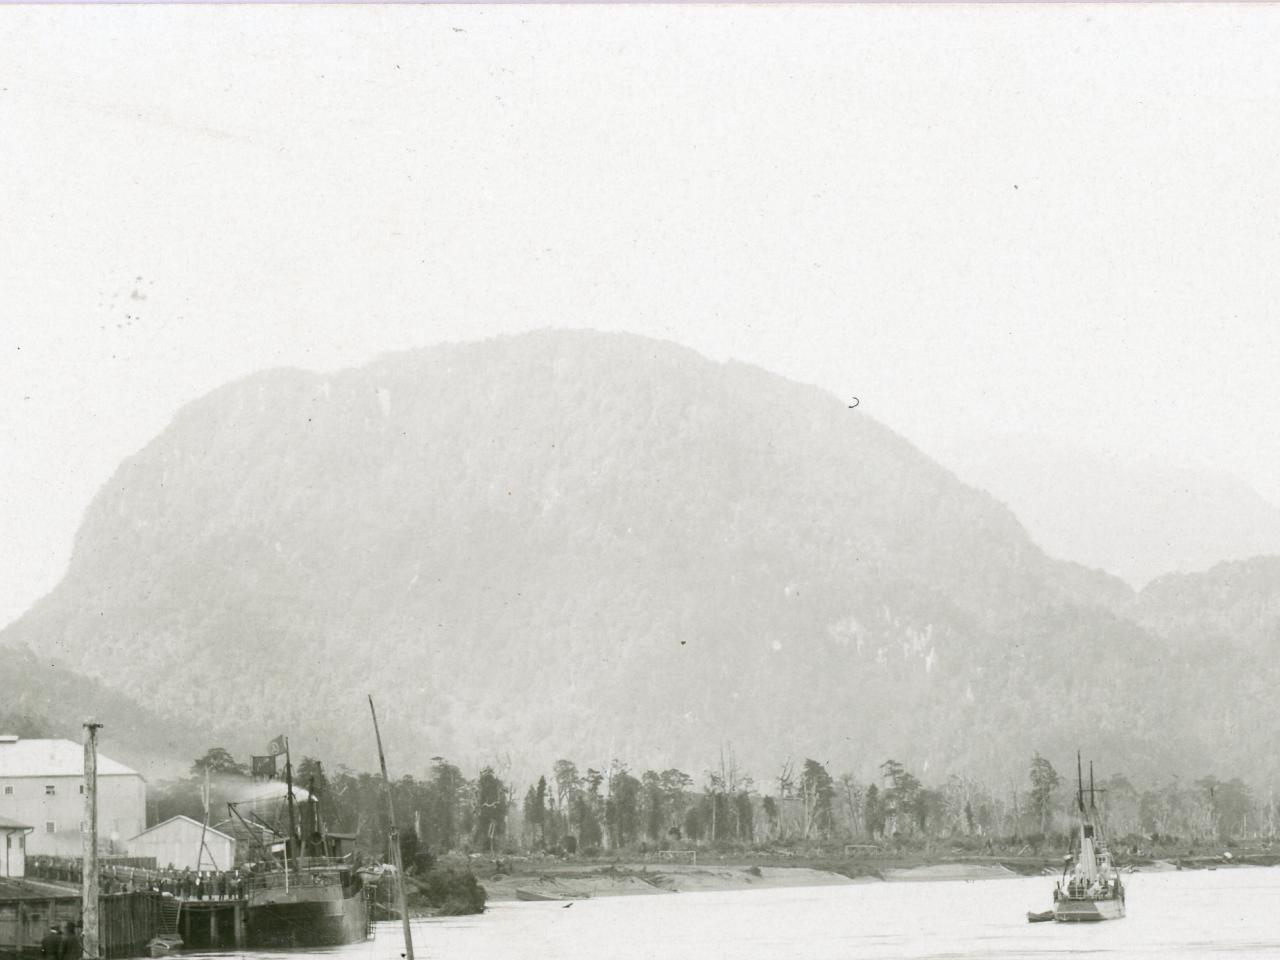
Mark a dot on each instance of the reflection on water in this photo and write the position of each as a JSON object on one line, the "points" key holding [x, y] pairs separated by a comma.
{"points": [[1225, 913]]}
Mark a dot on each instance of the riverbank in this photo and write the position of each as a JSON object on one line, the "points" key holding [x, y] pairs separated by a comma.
{"points": [[571, 881], [578, 880]]}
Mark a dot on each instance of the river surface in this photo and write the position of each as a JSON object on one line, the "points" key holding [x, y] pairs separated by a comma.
{"points": [[1224, 913]]}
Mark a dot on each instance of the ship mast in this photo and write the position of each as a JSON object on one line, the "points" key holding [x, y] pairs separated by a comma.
{"points": [[395, 839], [289, 803]]}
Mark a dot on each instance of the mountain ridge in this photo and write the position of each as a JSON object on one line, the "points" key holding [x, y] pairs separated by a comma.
{"points": [[1136, 517], [596, 545]]}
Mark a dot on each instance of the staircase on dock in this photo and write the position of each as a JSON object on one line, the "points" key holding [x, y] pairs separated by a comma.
{"points": [[167, 919]]}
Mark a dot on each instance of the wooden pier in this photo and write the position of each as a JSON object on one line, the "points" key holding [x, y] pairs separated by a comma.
{"points": [[127, 922], [211, 923]]}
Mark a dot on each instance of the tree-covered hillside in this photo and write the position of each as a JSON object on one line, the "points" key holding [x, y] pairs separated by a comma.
{"points": [[571, 543], [43, 699]]}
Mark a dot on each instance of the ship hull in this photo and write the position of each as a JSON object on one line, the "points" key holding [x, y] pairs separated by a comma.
{"points": [[307, 923], [1088, 911]]}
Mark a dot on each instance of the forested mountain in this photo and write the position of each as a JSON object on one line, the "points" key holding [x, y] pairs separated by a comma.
{"points": [[590, 545], [46, 699], [1234, 604]]}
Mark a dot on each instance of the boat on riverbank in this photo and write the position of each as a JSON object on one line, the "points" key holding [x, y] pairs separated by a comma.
{"points": [[1090, 888], [526, 894]]}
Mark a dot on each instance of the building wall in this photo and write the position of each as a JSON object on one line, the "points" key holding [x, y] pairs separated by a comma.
{"points": [[177, 843], [13, 859], [57, 816]]}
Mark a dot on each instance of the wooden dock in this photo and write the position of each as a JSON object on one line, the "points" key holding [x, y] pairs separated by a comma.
{"points": [[211, 923], [127, 922]]}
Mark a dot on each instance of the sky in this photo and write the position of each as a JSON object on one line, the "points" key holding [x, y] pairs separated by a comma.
{"points": [[1061, 220]]}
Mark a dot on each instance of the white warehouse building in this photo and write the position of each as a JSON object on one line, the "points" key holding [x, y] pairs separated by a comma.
{"points": [[42, 784], [177, 843]]}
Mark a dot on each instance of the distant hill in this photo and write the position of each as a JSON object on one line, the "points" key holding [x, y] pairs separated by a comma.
{"points": [[1134, 517], [1233, 605], [46, 699], [572, 544]]}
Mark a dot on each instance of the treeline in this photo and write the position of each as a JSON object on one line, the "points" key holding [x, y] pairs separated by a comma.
{"points": [[573, 810], [616, 809]]}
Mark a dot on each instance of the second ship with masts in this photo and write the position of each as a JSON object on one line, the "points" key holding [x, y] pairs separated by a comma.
{"points": [[1090, 888]]}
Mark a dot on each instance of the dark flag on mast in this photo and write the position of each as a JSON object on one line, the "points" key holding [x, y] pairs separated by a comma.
{"points": [[278, 746], [264, 767]]}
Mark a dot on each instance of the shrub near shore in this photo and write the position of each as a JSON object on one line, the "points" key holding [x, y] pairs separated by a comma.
{"points": [[446, 891]]}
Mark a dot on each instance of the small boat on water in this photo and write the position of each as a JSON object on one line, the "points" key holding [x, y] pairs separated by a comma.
{"points": [[1041, 917], [526, 894], [164, 945], [1090, 888]]}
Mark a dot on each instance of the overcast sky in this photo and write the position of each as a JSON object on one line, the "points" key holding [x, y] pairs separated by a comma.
{"points": [[1061, 220]]}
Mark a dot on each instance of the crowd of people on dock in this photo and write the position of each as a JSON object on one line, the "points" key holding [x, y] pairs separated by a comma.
{"points": [[121, 878]]}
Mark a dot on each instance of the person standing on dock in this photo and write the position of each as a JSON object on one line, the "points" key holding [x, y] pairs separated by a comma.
{"points": [[51, 944], [70, 947]]}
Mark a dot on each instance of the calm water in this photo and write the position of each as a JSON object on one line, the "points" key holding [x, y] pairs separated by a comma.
{"points": [[1224, 913]]}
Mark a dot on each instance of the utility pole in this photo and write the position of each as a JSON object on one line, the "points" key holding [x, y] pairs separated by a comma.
{"points": [[89, 839]]}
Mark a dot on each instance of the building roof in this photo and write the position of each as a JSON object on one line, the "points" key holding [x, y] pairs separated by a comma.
{"points": [[7, 824], [52, 758], [164, 823]]}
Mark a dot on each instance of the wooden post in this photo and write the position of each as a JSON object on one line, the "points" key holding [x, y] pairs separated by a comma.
{"points": [[237, 923], [89, 880], [395, 838], [213, 926]]}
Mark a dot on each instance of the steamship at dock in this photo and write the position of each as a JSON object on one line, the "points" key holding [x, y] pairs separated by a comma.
{"points": [[305, 890]]}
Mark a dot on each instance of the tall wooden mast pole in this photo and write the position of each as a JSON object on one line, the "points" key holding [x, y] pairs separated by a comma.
{"points": [[89, 840], [288, 779], [395, 839]]}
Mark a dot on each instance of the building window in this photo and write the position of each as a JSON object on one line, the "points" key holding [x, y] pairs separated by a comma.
{"points": [[50, 827], [8, 790], [82, 789], [50, 789]]}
